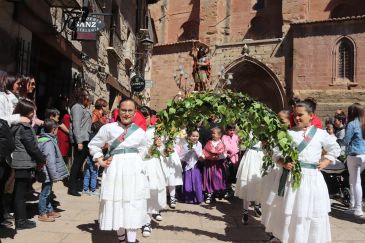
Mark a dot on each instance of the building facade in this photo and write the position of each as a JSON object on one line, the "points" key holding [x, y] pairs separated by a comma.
{"points": [[273, 48], [38, 37]]}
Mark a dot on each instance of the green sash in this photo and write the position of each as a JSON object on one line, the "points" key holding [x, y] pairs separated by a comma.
{"points": [[120, 139], [284, 176]]}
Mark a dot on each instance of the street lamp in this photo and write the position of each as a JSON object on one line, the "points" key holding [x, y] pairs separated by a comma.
{"points": [[147, 44], [224, 78], [181, 80]]}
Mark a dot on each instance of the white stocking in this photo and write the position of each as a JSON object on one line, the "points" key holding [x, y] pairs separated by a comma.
{"points": [[131, 235]]}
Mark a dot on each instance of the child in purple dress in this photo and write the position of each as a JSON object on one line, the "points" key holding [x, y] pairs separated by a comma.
{"points": [[192, 178], [214, 177]]}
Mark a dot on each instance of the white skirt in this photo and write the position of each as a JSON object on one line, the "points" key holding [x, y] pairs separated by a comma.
{"points": [[155, 174], [305, 211], [120, 214], [123, 194], [157, 201], [248, 184], [173, 170], [271, 204]]}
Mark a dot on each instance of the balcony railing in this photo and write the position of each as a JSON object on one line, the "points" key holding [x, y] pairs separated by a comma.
{"points": [[116, 45]]}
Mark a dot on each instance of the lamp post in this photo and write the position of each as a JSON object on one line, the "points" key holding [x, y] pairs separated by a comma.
{"points": [[182, 82], [224, 78]]}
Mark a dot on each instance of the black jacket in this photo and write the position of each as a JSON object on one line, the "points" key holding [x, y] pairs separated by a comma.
{"points": [[26, 154]]}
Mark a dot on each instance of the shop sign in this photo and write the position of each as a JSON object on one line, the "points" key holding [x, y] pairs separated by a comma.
{"points": [[137, 83], [91, 25], [149, 84]]}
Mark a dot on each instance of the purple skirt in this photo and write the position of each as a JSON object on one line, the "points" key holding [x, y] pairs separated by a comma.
{"points": [[214, 176], [193, 186]]}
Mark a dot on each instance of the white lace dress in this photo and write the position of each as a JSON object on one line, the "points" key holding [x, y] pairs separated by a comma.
{"points": [[304, 212], [124, 191], [248, 185]]}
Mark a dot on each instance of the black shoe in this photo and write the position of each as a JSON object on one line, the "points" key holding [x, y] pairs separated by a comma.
{"points": [[6, 223], [257, 210], [245, 217], [8, 216], [73, 193], [24, 224]]}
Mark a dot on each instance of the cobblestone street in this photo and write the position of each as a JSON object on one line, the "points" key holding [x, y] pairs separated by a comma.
{"points": [[188, 223]]}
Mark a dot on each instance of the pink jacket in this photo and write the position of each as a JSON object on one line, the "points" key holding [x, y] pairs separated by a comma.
{"points": [[232, 147]]}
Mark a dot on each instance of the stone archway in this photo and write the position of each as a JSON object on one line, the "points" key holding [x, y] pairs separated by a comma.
{"points": [[254, 78]]}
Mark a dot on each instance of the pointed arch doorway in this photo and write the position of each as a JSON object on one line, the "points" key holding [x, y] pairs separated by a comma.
{"points": [[254, 78]]}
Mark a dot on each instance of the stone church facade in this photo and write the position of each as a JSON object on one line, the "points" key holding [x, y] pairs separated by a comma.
{"points": [[274, 49]]}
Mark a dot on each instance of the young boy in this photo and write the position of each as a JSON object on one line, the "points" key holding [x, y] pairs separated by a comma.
{"points": [[55, 169]]}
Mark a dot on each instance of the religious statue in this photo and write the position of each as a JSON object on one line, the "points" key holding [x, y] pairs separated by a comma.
{"points": [[201, 68]]}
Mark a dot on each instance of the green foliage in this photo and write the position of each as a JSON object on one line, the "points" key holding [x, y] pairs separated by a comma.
{"points": [[232, 108]]}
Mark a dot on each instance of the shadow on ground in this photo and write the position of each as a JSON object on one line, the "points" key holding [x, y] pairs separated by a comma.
{"points": [[337, 211], [97, 235]]}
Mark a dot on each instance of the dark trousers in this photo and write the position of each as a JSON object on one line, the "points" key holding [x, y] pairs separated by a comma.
{"points": [[20, 189], [5, 199], [79, 158]]}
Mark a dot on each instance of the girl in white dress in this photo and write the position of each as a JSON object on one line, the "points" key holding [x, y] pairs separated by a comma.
{"points": [[173, 175], [124, 192], [156, 177], [248, 183], [269, 189], [305, 210]]}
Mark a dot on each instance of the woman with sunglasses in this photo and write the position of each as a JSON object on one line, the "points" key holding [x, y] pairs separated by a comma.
{"points": [[27, 90]]}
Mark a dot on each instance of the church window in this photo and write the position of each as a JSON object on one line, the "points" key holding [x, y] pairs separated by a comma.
{"points": [[345, 62]]}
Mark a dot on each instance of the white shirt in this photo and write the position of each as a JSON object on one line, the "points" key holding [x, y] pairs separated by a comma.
{"points": [[190, 156], [109, 132], [313, 151], [8, 101]]}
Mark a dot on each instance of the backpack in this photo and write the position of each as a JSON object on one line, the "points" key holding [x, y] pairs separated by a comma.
{"points": [[7, 143]]}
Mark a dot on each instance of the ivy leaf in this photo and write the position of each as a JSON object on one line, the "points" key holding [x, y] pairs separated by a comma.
{"points": [[172, 110], [250, 116], [169, 102], [199, 102]]}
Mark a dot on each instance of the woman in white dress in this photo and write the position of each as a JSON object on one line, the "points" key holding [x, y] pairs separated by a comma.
{"points": [[156, 177], [124, 191], [304, 211], [248, 183]]}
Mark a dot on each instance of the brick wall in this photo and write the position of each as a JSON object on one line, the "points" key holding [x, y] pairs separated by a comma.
{"points": [[165, 62]]}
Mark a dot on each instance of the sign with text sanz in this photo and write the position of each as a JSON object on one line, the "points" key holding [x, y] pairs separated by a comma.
{"points": [[87, 30]]}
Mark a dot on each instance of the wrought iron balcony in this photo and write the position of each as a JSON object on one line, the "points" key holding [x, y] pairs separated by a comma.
{"points": [[64, 3], [116, 45]]}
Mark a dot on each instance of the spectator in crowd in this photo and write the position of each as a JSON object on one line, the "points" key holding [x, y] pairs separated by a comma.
{"points": [[339, 123], [26, 157], [9, 90], [355, 141], [80, 131], [99, 119], [55, 170], [63, 130], [27, 90]]}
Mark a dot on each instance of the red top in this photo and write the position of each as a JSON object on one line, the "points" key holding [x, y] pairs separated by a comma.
{"points": [[154, 120], [316, 122], [140, 120], [63, 138]]}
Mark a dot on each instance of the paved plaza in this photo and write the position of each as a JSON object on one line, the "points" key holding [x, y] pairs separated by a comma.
{"points": [[220, 222]]}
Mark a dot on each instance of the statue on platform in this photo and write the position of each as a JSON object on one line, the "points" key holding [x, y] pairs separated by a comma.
{"points": [[201, 68]]}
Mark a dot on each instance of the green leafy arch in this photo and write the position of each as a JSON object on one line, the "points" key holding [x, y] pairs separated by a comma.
{"points": [[249, 115]]}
